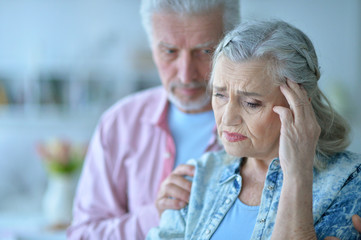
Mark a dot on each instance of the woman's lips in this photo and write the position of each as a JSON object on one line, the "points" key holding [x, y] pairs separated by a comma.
{"points": [[234, 137]]}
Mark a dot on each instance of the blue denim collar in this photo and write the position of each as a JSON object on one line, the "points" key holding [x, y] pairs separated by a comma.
{"points": [[230, 171]]}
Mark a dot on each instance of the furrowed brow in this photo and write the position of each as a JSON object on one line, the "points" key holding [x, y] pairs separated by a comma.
{"points": [[219, 89], [249, 94]]}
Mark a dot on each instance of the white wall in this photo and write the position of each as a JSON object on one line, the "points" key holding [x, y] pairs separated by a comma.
{"points": [[102, 38]]}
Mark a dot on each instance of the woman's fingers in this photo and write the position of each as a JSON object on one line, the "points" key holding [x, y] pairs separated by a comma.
{"points": [[297, 88], [299, 130], [297, 99], [300, 105], [285, 114]]}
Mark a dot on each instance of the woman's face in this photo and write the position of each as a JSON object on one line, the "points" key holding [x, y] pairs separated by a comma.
{"points": [[243, 99]]}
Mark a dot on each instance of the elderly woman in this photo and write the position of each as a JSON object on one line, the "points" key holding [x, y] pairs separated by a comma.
{"points": [[285, 173]]}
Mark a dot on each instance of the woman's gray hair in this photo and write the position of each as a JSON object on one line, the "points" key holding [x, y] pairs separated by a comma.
{"points": [[290, 55], [231, 10]]}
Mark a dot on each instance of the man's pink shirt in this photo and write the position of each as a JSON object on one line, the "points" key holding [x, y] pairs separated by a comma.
{"points": [[130, 154]]}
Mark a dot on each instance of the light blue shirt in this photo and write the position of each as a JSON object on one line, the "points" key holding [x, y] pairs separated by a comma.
{"points": [[238, 222], [217, 184], [191, 133]]}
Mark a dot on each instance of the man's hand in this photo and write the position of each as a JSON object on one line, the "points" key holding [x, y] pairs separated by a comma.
{"points": [[175, 190], [356, 220]]}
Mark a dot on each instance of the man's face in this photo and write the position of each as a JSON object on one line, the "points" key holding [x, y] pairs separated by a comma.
{"points": [[182, 47]]}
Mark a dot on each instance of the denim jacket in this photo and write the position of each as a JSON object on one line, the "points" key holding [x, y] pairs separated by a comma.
{"points": [[217, 184]]}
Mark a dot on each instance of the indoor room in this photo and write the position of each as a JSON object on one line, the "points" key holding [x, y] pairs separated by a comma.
{"points": [[63, 63]]}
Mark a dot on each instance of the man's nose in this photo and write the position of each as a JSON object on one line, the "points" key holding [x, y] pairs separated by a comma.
{"points": [[186, 68], [232, 114]]}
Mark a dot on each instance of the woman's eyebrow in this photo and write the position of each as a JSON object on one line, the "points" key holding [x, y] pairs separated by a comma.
{"points": [[249, 94], [244, 93], [219, 89]]}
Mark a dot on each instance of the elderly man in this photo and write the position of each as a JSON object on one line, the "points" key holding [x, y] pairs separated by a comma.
{"points": [[142, 138]]}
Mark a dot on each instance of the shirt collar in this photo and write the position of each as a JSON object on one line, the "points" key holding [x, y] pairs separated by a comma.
{"points": [[232, 170], [158, 114]]}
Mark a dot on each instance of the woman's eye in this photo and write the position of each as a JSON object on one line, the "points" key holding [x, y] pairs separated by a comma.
{"points": [[253, 105], [219, 95]]}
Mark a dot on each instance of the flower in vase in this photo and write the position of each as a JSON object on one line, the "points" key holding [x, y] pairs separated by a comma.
{"points": [[61, 156]]}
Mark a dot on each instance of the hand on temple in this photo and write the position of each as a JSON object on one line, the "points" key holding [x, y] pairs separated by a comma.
{"points": [[300, 131], [356, 220], [175, 190]]}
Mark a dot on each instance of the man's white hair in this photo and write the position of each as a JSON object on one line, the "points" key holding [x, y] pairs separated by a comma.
{"points": [[231, 11]]}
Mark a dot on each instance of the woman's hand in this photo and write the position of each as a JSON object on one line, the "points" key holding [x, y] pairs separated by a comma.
{"points": [[175, 190], [297, 147], [299, 131]]}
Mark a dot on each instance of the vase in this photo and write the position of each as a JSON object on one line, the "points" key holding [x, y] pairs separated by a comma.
{"points": [[58, 200]]}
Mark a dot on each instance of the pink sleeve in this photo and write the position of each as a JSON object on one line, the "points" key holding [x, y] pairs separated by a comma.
{"points": [[100, 206]]}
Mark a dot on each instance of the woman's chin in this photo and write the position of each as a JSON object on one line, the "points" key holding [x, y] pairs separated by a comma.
{"points": [[234, 150]]}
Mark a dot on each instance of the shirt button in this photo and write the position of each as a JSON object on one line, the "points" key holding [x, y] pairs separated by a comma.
{"points": [[270, 187], [228, 201], [167, 155], [208, 231], [262, 220]]}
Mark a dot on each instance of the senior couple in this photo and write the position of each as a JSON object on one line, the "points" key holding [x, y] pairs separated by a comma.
{"points": [[284, 172]]}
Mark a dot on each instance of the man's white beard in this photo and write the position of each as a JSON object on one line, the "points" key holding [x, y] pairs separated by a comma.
{"points": [[197, 104], [191, 105]]}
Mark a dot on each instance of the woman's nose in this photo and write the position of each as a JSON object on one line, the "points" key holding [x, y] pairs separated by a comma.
{"points": [[232, 114]]}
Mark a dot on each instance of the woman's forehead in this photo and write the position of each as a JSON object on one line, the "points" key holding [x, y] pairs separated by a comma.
{"points": [[251, 75]]}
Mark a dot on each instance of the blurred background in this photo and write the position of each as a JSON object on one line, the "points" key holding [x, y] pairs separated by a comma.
{"points": [[62, 63]]}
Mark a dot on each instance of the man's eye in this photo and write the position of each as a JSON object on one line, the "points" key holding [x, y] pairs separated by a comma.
{"points": [[208, 51], [169, 54], [170, 51]]}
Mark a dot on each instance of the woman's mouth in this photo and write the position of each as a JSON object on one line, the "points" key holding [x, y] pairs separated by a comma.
{"points": [[234, 137]]}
